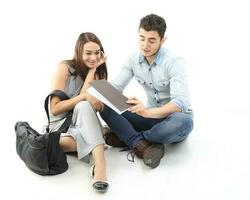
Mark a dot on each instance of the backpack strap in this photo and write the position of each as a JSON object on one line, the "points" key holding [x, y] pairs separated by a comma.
{"points": [[62, 96]]}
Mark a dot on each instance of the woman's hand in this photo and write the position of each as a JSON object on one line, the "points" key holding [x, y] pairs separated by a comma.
{"points": [[137, 107], [94, 102], [103, 59]]}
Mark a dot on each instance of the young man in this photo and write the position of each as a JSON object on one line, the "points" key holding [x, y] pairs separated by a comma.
{"points": [[167, 117]]}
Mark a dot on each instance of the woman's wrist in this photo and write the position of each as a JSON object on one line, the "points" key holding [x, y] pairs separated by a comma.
{"points": [[82, 96], [92, 70]]}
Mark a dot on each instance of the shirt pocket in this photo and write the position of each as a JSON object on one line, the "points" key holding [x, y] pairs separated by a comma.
{"points": [[142, 82], [162, 85]]}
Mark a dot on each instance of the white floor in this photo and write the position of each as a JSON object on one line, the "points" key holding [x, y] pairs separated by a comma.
{"points": [[213, 36], [213, 163]]}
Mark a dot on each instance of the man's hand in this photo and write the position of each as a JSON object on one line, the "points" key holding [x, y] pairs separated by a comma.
{"points": [[137, 107]]}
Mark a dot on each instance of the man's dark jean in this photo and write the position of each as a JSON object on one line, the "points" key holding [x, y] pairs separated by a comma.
{"points": [[131, 128]]}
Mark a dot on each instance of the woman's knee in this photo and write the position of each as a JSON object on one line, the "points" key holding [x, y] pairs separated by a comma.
{"points": [[83, 105], [67, 144]]}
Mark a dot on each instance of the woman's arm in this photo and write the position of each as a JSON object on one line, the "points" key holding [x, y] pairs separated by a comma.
{"points": [[89, 78], [58, 83]]}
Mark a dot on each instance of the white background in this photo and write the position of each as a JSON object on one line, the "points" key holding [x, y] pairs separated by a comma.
{"points": [[212, 36]]}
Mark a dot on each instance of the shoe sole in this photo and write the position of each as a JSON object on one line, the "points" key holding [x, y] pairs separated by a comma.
{"points": [[153, 154], [100, 186], [161, 147]]}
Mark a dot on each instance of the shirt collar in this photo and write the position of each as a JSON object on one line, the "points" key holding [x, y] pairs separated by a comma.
{"points": [[158, 57]]}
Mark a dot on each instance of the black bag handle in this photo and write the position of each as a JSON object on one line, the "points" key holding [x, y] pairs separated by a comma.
{"points": [[63, 96]]}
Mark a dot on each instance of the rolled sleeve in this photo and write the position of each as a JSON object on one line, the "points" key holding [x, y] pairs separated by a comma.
{"points": [[179, 93]]}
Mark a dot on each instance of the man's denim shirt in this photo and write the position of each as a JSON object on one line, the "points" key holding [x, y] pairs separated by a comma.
{"points": [[165, 80]]}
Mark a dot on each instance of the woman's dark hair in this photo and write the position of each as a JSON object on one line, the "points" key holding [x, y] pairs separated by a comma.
{"points": [[154, 22], [77, 62]]}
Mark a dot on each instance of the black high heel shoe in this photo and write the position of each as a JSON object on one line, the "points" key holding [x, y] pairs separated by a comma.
{"points": [[98, 185]]}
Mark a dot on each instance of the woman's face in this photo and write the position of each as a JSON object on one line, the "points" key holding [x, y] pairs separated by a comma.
{"points": [[91, 54]]}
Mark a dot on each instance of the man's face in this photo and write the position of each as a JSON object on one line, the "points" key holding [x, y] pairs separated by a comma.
{"points": [[149, 42]]}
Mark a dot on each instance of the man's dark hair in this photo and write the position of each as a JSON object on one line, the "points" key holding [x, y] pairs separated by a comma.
{"points": [[154, 22]]}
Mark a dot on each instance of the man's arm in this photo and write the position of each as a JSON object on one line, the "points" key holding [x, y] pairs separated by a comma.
{"points": [[178, 91], [156, 113], [124, 76], [162, 112], [179, 85]]}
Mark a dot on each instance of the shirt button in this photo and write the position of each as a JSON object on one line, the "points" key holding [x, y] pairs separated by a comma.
{"points": [[155, 92], [150, 83], [158, 102], [149, 69]]}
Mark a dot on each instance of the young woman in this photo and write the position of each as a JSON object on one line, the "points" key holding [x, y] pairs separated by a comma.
{"points": [[85, 132]]}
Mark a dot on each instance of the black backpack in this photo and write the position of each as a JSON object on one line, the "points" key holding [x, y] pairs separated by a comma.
{"points": [[41, 152]]}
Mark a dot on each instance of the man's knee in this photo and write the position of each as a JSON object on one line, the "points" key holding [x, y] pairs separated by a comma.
{"points": [[185, 127], [182, 121], [179, 129], [106, 111]]}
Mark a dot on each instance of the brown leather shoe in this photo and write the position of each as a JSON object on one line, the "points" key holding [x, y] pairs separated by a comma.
{"points": [[150, 153], [141, 146], [112, 139]]}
